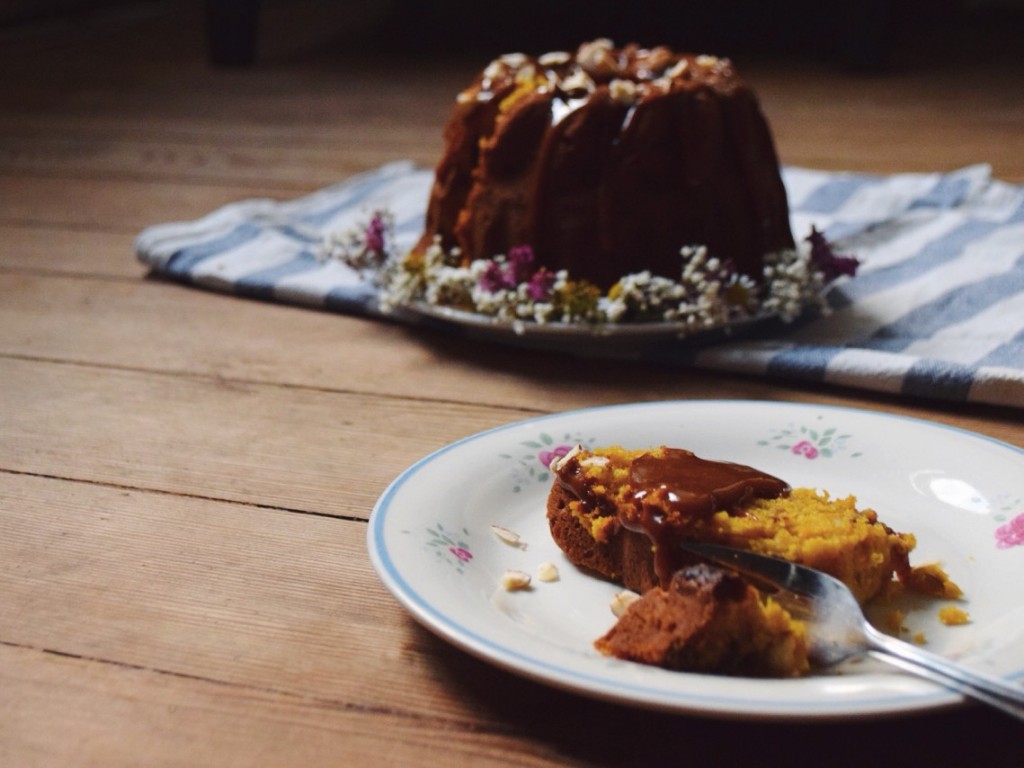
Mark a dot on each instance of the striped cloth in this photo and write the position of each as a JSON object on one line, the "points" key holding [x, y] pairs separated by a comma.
{"points": [[936, 309]]}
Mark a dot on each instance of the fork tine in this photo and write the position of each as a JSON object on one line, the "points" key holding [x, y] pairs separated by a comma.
{"points": [[778, 573]]}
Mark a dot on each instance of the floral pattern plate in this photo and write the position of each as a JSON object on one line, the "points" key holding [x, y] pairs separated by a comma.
{"points": [[432, 541]]}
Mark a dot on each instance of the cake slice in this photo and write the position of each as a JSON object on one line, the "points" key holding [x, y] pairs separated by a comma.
{"points": [[709, 620], [622, 513]]}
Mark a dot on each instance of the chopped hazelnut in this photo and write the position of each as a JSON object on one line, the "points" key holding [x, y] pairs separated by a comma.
{"points": [[547, 572], [513, 580]]}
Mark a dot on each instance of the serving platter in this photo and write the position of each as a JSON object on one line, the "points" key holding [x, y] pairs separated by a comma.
{"points": [[607, 340]]}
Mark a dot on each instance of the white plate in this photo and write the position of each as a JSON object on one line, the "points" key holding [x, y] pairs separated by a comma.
{"points": [[961, 494]]}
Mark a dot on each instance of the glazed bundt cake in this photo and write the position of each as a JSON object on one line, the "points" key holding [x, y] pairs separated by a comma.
{"points": [[607, 162]]}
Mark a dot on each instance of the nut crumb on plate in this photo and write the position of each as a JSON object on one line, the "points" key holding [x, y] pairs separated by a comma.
{"points": [[513, 580]]}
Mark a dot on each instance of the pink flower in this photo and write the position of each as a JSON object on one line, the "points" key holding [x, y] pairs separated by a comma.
{"points": [[494, 278], [546, 457], [1011, 534], [540, 285], [509, 273], [520, 263], [375, 234], [463, 554], [806, 449], [826, 260]]}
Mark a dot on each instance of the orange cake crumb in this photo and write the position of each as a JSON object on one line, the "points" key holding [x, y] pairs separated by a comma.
{"points": [[932, 581], [952, 616]]}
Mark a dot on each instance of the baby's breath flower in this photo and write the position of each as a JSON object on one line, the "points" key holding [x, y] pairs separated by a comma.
{"points": [[708, 292]]}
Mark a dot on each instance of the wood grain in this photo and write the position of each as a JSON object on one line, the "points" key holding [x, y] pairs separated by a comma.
{"points": [[238, 594], [302, 449], [185, 477]]}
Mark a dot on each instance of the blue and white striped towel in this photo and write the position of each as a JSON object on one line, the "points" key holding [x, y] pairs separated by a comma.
{"points": [[936, 310]]}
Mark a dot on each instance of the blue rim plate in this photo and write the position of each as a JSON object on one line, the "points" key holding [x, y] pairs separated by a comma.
{"points": [[432, 543]]}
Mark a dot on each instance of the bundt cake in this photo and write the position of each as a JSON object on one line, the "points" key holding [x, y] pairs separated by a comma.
{"points": [[621, 513], [609, 161]]}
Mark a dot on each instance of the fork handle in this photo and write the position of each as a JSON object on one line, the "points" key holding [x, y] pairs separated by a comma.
{"points": [[990, 690]]}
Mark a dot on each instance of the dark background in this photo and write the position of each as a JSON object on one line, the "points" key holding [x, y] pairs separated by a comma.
{"points": [[866, 36]]}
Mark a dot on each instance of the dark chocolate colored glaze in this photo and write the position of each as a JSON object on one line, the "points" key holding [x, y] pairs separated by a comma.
{"points": [[604, 186], [671, 490], [690, 485]]}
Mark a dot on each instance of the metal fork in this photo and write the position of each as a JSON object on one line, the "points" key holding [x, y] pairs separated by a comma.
{"points": [[837, 629]]}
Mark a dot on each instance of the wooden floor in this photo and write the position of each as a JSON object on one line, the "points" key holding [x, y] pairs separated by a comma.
{"points": [[185, 478]]}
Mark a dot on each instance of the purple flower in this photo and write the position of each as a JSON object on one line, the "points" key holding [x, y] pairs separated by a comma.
{"points": [[520, 264], [1011, 534], [508, 274], [827, 261], [495, 278], [541, 285], [806, 449], [546, 457], [462, 553], [375, 232]]}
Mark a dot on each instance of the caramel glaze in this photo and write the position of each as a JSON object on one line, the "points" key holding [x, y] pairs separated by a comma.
{"points": [[672, 491], [587, 178]]}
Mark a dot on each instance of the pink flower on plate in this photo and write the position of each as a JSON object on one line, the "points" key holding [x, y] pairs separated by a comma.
{"points": [[805, 448], [546, 457], [1011, 534], [376, 231], [462, 553]]}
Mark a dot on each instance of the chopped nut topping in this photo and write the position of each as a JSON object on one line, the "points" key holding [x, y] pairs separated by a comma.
{"points": [[658, 58], [554, 58], [526, 74], [494, 70], [513, 580], [578, 81], [596, 57], [622, 91], [513, 59], [622, 601], [559, 461], [677, 69], [663, 84], [547, 572], [707, 61], [508, 536]]}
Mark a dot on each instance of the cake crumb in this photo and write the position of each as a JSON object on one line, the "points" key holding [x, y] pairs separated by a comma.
{"points": [[952, 616], [932, 581], [919, 638]]}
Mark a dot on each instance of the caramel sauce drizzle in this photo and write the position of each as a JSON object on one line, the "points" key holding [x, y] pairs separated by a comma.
{"points": [[670, 492]]}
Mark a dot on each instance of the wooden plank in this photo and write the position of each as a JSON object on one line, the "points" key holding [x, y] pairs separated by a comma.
{"points": [[872, 129], [156, 326], [47, 251], [245, 596], [115, 205], [286, 168], [287, 447], [148, 628], [73, 712], [160, 327]]}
